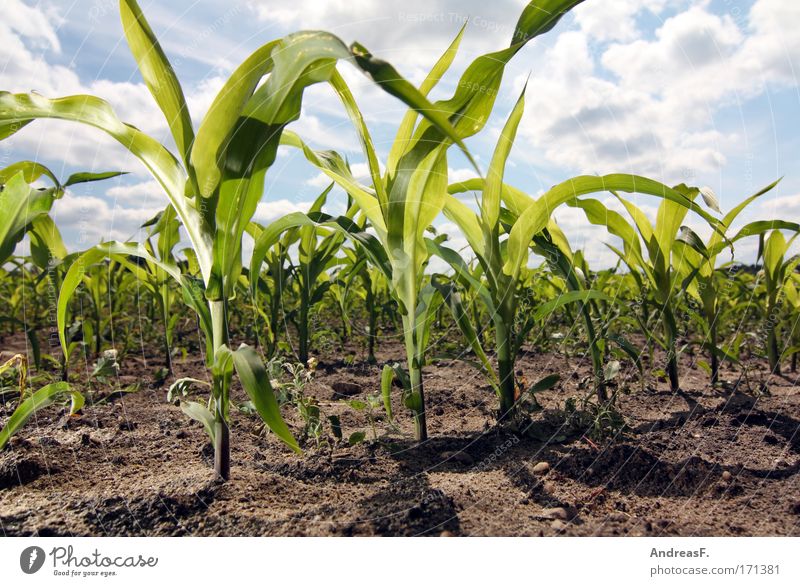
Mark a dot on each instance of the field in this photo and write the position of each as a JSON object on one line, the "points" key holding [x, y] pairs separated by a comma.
{"points": [[712, 462], [356, 368]]}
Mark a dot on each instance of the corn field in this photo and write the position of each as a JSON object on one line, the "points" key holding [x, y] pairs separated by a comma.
{"points": [[359, 344]]}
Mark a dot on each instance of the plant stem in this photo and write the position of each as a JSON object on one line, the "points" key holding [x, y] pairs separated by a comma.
{"points": [[714, 357], [222, 444], [671, 331], [373, 322], [505, 368], [418, 402], [302, 325]]}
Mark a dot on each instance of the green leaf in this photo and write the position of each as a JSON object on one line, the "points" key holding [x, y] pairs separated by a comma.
{"points": [[20, 205], [534, 219], [201, 414], [387, 376], [255, 381], [31, 170], [490, 201], [356, 438], [42, 398], [544, 384], [84, 177], [548, 308], [159, 77], [92, 111]]}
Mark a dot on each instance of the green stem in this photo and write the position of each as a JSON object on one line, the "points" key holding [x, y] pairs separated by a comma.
{"points": [[597, 355], [222, 445], [416, 394], [418, 402], [373, 323], [505, 368], [671, 331], [714, 357], [302, 327]]}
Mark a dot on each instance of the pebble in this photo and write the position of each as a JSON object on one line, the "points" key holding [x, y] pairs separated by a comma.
{"points": [[549, 487], [555, 513], [541, 468], [727, 476], [346, 389], [558, 525]]}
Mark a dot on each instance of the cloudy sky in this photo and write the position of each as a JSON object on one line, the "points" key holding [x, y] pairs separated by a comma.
{"points": [[697, 91]]}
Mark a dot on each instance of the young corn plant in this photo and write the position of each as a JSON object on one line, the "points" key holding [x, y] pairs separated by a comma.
{"points": [[165, 227], [699, 262], [503, 262], [406, 199], [777, 271], [218, 178], [22, 204], [659, 276], [571, 266]]}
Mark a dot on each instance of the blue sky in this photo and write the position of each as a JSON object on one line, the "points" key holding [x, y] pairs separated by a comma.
{"points": [[703, 92]]}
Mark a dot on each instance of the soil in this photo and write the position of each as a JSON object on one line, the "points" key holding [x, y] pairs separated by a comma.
{"points": [[722, 461]]}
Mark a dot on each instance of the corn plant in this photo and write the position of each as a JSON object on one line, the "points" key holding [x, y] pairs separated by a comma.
{"points": [[165, 228], [777, 271], [699, 262], [655, 273], [503, 263], [792, 295], [410, 194], [22, 204]]}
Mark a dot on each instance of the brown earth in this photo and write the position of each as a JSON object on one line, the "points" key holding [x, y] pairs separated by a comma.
{"points": [[707, 462]]}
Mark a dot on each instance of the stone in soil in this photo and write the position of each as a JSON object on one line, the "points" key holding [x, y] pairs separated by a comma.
{"points": [[541, 468]]}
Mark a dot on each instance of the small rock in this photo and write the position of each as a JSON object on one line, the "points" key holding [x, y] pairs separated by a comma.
{"points": [[556, 513], [618, 516], [558, 525], [346, 389], [541, 468], [727, 476], [549, 487]]}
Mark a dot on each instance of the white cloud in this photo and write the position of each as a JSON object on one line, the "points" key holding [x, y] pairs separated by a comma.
{"points": [[615, 20], [89, 219], [655, 114], [147, 193], [267, 211]]}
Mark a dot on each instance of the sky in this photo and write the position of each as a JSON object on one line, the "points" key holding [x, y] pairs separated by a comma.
{"points": [[703, 92]]}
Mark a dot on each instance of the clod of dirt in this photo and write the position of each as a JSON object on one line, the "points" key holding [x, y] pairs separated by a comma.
{"points": [[346, 389], [541, 468], [461, 457], [549, 488], [16, 470]]}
